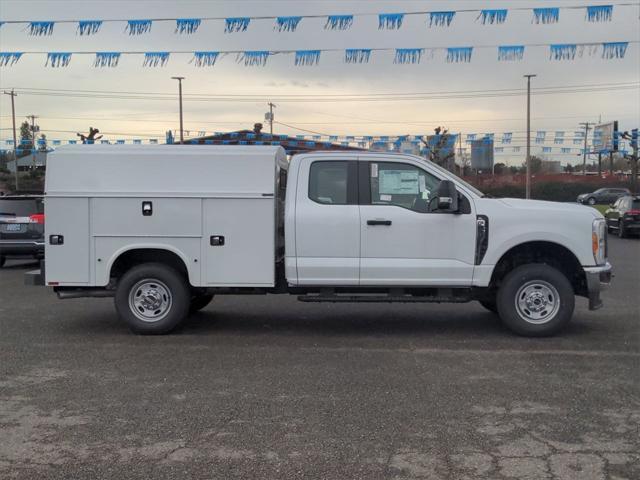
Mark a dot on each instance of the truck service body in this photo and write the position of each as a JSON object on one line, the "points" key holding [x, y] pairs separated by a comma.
{"points": [[164, 228]]}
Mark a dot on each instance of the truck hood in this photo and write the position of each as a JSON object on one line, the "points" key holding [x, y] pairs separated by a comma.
{"points": [[540, 205]]}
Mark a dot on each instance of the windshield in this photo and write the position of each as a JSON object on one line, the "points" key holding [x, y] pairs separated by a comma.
{"points": [[20, 207], [458, 179]]}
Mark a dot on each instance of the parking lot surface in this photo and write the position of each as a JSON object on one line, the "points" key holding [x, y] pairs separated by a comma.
{"points": [[267, 387]]}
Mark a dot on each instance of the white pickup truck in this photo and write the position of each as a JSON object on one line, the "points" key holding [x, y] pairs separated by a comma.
{"points": [[165, 228]]}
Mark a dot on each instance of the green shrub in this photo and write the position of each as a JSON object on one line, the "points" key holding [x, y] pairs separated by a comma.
{"points": [[553, 191]]}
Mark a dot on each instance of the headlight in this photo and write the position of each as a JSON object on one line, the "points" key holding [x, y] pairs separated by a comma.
{"points": [[599, 241]]}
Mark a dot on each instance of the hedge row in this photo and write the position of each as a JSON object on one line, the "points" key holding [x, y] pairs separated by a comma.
{"points": [[554, 191]]}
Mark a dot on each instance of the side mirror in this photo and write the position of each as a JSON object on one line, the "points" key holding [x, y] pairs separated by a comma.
{"points": [[447, 196]]}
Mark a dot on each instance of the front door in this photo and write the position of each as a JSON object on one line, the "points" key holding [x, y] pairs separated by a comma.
{"points": [[400, 242], [327, 223]]}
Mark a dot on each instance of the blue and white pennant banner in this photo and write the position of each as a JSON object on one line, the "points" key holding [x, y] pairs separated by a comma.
{"points": [[386, 21], [505, 53]]}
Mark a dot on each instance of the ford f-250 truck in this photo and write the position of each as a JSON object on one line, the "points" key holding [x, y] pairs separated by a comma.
{"points": [[164, 228]]}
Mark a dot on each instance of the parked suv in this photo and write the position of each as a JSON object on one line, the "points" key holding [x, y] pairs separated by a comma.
{"points": [[603, 196], [21, 227], [623, 216]]}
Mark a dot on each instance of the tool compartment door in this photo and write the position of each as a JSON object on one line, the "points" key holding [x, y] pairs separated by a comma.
{"points": [[67, 263], [239, 242]]}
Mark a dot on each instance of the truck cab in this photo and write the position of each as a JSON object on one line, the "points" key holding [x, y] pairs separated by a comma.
{"points": [[163, 229]]}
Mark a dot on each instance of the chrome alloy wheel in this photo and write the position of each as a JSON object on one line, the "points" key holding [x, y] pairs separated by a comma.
{"points": [[537, 302], [150, 300]]}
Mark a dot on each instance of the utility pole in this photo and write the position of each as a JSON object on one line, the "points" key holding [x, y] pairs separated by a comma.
{"points": [[33, 140], [460, 153], [584, 152], [15, 142], [611, 163], [270, 117], [599, 164], [528, 181], [180, 101], [633, 138]]}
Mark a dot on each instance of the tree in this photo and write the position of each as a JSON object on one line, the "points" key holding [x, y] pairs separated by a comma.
{"points": [[42, 143], [91, 138], [441, 147], [499, 168], [26, 140], [536, 165], [513, 169], [568, 168]]}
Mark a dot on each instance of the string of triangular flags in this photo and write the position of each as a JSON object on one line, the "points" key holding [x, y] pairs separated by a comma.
{"points": [[401, 56], [386, 21], [501, 142]]}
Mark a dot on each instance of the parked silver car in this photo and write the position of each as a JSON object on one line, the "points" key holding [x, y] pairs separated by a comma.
{"points": [[603, 196]]}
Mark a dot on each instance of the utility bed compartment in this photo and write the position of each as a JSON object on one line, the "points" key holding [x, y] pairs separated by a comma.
{"points": [[214, 207]]}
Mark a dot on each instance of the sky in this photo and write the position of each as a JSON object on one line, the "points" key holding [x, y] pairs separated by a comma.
{"points": [[61, 115]]}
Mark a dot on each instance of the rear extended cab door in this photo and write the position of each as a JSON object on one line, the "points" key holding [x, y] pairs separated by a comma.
{"points": [[326, 222]]}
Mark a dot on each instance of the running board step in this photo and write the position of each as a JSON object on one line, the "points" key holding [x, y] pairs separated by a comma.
{"points": [[312, 298]]}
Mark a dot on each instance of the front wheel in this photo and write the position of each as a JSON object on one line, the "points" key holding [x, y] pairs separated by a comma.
{"points": [[591, 201], [2, 260], [152, 299], [535, 300]]}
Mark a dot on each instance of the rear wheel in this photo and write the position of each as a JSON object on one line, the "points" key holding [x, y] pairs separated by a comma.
{"points": [[152, 298], [198, 302], [535, 300]]}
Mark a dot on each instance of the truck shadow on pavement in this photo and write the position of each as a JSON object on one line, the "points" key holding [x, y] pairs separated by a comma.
{"points": [[464, 324], [291, 319]]}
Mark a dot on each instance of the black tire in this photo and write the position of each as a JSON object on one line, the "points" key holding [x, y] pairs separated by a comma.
{"points": [[622, 232], [2, 261], [158, 283], [489, 305], [540, 281], [591, 201], [198, 302]]}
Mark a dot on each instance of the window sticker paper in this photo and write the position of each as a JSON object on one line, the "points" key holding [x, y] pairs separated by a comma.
{"points": [[398, 182]]}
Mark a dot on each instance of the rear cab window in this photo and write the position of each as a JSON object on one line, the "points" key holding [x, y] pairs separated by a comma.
{"points": [[333, 182]]}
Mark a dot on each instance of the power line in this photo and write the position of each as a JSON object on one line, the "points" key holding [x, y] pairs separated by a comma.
{"points": [[382, 94], [364, 122], [434, 96], [302, 129]]}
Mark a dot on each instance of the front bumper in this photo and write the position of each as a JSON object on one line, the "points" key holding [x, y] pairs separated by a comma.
{"points": [[598, 278]]}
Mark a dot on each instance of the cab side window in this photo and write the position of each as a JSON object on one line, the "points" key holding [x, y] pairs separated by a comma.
{"points": [[328, 182], [401, 184]]}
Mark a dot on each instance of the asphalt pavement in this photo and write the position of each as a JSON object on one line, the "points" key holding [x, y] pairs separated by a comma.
{"points": [[267, 387]]}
